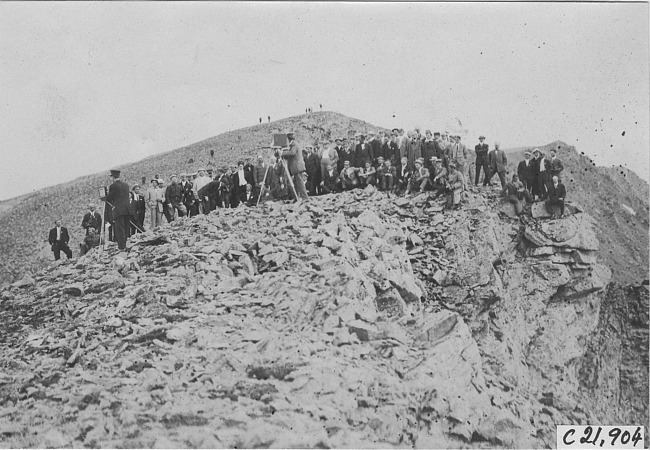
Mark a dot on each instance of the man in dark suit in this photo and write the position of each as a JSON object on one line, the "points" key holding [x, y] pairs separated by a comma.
{"points": [[363, 152], [118, 197], [481, 150], [92, 219], [403, 176], [556, 196], [525, 171], [296, 165], [138, 207], [330, 179], [59, 239], [312, 167], [375, 147], [240, 179]]}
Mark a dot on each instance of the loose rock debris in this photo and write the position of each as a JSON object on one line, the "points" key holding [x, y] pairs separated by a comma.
{"points": [[340, 322]]}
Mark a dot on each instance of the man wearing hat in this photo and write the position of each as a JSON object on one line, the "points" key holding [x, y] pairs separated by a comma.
{"points": [[437, 176], [420, 179], [296, 165], [525, 171], [118, 197], [455, 186], [327, 155], [460, 155], [174, 198], [313, 169], [138, 207], [92, 219], [348, 177], [482, 161], [260, 176], [516, 193], [155, 197]]}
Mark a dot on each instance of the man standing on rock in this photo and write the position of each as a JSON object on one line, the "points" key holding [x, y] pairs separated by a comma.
{"points": [[498, 163], [118, 197], [174, 198], [525, 171], [296, 165], [481, 149], [556, 196], [59, 239]]}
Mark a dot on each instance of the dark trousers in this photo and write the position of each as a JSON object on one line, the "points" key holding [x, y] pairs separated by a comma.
{"points": [[551, 206], [486, 172], [225, 198], [299, 185], [386, 182], [121, 229], [59, 247], [502, 177]]}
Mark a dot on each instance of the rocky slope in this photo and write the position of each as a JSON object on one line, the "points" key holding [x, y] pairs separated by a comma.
{"points": [[26, 220], [618, 199], [354, 320]]}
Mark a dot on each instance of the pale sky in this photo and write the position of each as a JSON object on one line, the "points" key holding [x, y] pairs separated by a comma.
{"points": [[88, 86]]}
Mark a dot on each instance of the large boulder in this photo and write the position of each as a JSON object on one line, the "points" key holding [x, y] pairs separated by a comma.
{"points": [[575, 231]]}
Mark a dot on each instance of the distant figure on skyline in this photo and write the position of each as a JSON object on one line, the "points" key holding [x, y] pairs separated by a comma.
{"points": [[321, 106], [269, 119], [260, 121]]}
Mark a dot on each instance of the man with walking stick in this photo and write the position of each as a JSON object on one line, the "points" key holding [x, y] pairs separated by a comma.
{"points": [[296, 167], [118, 197]]}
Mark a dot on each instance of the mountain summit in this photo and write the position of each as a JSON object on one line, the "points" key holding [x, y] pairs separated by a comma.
{"points": [[616, 197]]}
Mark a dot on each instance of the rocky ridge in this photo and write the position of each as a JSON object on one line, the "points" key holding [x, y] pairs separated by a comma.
{"points": [[354, 320]]}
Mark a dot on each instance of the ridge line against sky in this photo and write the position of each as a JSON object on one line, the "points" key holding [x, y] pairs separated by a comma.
{"points": [[87, 86]]}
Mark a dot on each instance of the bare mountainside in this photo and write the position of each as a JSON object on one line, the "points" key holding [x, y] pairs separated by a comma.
{"points": [[602, 191], [25, 220], [617, 198]]}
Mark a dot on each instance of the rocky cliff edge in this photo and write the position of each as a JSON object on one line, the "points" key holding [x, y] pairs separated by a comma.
{"points": [[355, 320]]}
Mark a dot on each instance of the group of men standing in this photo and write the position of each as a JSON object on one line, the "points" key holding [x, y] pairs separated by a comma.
{"points": [[397, 162]]}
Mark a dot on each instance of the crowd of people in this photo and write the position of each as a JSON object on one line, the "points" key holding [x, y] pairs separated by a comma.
{"points": [[398, 163]]}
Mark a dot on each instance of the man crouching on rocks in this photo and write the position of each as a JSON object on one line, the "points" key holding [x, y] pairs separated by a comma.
{"points": [[455, 183], [296, 164]]}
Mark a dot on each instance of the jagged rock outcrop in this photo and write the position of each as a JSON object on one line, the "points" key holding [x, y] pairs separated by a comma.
{"points": [[347, 321]]}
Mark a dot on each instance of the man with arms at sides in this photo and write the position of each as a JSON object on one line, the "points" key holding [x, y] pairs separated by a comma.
{"points": [[524, 171], [481, 149], [296, 165], [138, 206], [428, 146], [174, 198], [92, 219], [498, 163], [313, 169], [556, 197], [260, 176], [202, 180], [375, 147], [387, 175], [58, 239], [240, 179], [556, 166], [363, 152], [118, 196], [155, 198]]}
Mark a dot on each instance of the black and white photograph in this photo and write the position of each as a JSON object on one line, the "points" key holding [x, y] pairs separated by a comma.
{"points": [[324, 225]]}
